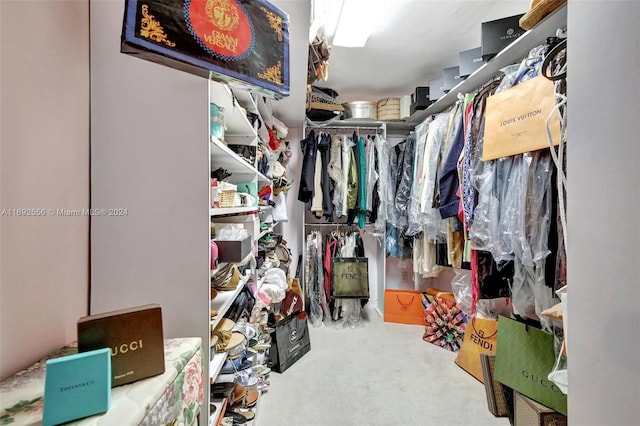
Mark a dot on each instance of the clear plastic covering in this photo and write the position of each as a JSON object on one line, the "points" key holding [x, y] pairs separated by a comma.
{"points": [[424, 258], [461, 289], [513, 216], [434, 227], [382, 151], [487, 178], [415, 216], [347, 312], [403, 192], [275, 284], [336, 174], [396, 158], [314, 280]]}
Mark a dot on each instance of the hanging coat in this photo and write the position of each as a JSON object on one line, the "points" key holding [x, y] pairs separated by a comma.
{"points": [[309, 149]]}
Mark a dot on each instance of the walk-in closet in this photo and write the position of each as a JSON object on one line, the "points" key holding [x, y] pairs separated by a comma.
{"points": [[319, 212]]}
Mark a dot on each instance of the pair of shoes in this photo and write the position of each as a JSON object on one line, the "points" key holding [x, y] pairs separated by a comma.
{"points": [[281, 184], [249, 401], [248, 414], [227, 340], [223, 391], [247, 379], [233, 418], [243, 362], [220, 174], [249, 330]]}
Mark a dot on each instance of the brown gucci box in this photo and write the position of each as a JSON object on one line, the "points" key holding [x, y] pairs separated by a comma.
{"points": [[133, 335]]}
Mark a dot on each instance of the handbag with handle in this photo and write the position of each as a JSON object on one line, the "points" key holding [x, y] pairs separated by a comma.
{"points": [[403, 306], [480, 337], [524, 358], [516, 119]]}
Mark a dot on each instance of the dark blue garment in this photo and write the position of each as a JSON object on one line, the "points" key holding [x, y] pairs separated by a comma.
{"points": [[310, 151], [449, 181], [326, 183]]}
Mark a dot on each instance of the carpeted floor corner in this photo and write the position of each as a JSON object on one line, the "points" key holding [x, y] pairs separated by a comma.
{"points": [[379, 374]]}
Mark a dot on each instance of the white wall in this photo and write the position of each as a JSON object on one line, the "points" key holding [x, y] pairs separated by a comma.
{"points": [[44, 163], [603, 206], [150, 155]]}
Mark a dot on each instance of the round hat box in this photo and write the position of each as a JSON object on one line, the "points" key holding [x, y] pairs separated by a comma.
{"points": [[389, 109]]}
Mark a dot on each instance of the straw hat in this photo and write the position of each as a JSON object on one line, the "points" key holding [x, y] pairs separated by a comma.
{"points": [[538, 10]]}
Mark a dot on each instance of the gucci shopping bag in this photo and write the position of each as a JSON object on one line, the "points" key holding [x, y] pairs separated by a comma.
{"points": [[524, 358]]}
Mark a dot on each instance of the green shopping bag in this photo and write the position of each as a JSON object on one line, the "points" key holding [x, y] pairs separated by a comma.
{"points": [[524, 358]]}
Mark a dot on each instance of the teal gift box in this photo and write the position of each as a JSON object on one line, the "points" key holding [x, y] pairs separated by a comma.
{"points": [[77, 386]]}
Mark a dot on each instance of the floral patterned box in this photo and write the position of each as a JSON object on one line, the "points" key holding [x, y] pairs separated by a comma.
{"points": [[244, 43], [174, 397]]}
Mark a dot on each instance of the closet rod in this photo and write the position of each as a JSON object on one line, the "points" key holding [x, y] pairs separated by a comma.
{"points": [[336, 225], [344, 128]]}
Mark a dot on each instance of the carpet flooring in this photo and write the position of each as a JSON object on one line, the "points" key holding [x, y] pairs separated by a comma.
{"points": [[377, 374]]}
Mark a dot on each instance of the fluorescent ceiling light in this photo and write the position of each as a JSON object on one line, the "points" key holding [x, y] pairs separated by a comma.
{"points": [[356, 21]]}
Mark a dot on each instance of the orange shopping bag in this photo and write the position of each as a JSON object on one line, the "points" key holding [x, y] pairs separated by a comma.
{"points": [[403, 306]]}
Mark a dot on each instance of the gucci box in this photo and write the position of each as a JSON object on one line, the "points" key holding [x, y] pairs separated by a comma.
{"points": [[244, 43], [498, 34], [134, 337]]}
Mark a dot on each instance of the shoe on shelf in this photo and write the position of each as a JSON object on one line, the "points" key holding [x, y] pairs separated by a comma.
{"points": [[250, 400], [231, 366], [246, 379], [223, 391], [231, 418], [263, 384], [226, 278], [249, 330], [247, 413], [232, 342]]}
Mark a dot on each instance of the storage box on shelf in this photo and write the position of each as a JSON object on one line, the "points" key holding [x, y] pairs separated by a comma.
{"points": [[513, 53]]}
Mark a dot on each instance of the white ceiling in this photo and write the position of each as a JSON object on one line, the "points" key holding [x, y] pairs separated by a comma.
{"points": [[409, 47]]}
